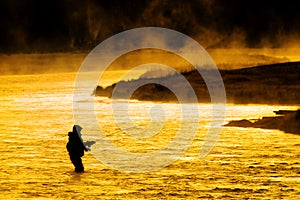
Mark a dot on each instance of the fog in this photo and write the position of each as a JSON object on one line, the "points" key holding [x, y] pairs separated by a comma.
{"points": [[269, 29], [72, 25], [40, 63], [226, 58]]}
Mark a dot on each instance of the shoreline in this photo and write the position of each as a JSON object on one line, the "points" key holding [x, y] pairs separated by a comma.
{"points": [[287, 121], [256, 85]]}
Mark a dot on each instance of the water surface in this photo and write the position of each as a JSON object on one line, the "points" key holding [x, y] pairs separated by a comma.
{"points": [[36, 115]]}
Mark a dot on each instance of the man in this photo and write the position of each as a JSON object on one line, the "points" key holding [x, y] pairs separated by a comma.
{"points": [[76, 148]]}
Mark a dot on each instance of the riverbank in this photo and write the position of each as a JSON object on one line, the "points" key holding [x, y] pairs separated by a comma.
{"points": [[266, 84], [287, 121]]}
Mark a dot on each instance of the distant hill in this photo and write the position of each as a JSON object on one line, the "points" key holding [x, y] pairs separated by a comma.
{"points": [[270, 84]]}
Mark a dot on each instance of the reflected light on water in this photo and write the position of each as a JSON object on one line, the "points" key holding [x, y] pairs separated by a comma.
{"points": [[36, 116]]}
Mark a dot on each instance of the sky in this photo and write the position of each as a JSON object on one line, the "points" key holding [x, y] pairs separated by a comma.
{"points": [[29, 26]]}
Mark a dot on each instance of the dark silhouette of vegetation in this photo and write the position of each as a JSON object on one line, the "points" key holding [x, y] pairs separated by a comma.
{"points": [[272, 84]]}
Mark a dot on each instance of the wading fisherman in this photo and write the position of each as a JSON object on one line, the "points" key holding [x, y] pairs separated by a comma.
{"points": [[76, 148]]}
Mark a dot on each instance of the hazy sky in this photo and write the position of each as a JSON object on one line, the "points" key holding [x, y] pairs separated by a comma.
{"points": [[75, 25]]}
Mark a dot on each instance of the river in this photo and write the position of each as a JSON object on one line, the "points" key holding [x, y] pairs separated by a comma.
{"points": [[36, 115]]}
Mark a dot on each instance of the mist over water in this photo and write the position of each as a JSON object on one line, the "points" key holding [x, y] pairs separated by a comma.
{"points": [[47, 35], [63, 26], [40, 63], [42, 45], [231, 58]]}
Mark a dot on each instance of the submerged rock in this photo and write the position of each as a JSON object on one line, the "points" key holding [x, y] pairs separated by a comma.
{"points": [[240, 123]]}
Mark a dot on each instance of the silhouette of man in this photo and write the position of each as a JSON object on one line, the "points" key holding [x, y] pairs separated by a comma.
{"points": [[76, 148]]}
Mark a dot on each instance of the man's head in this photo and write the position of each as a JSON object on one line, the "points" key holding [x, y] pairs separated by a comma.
{"points": [[77, 128]]}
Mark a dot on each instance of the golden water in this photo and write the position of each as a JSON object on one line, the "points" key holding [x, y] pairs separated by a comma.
{"points": [[36, 114]]}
